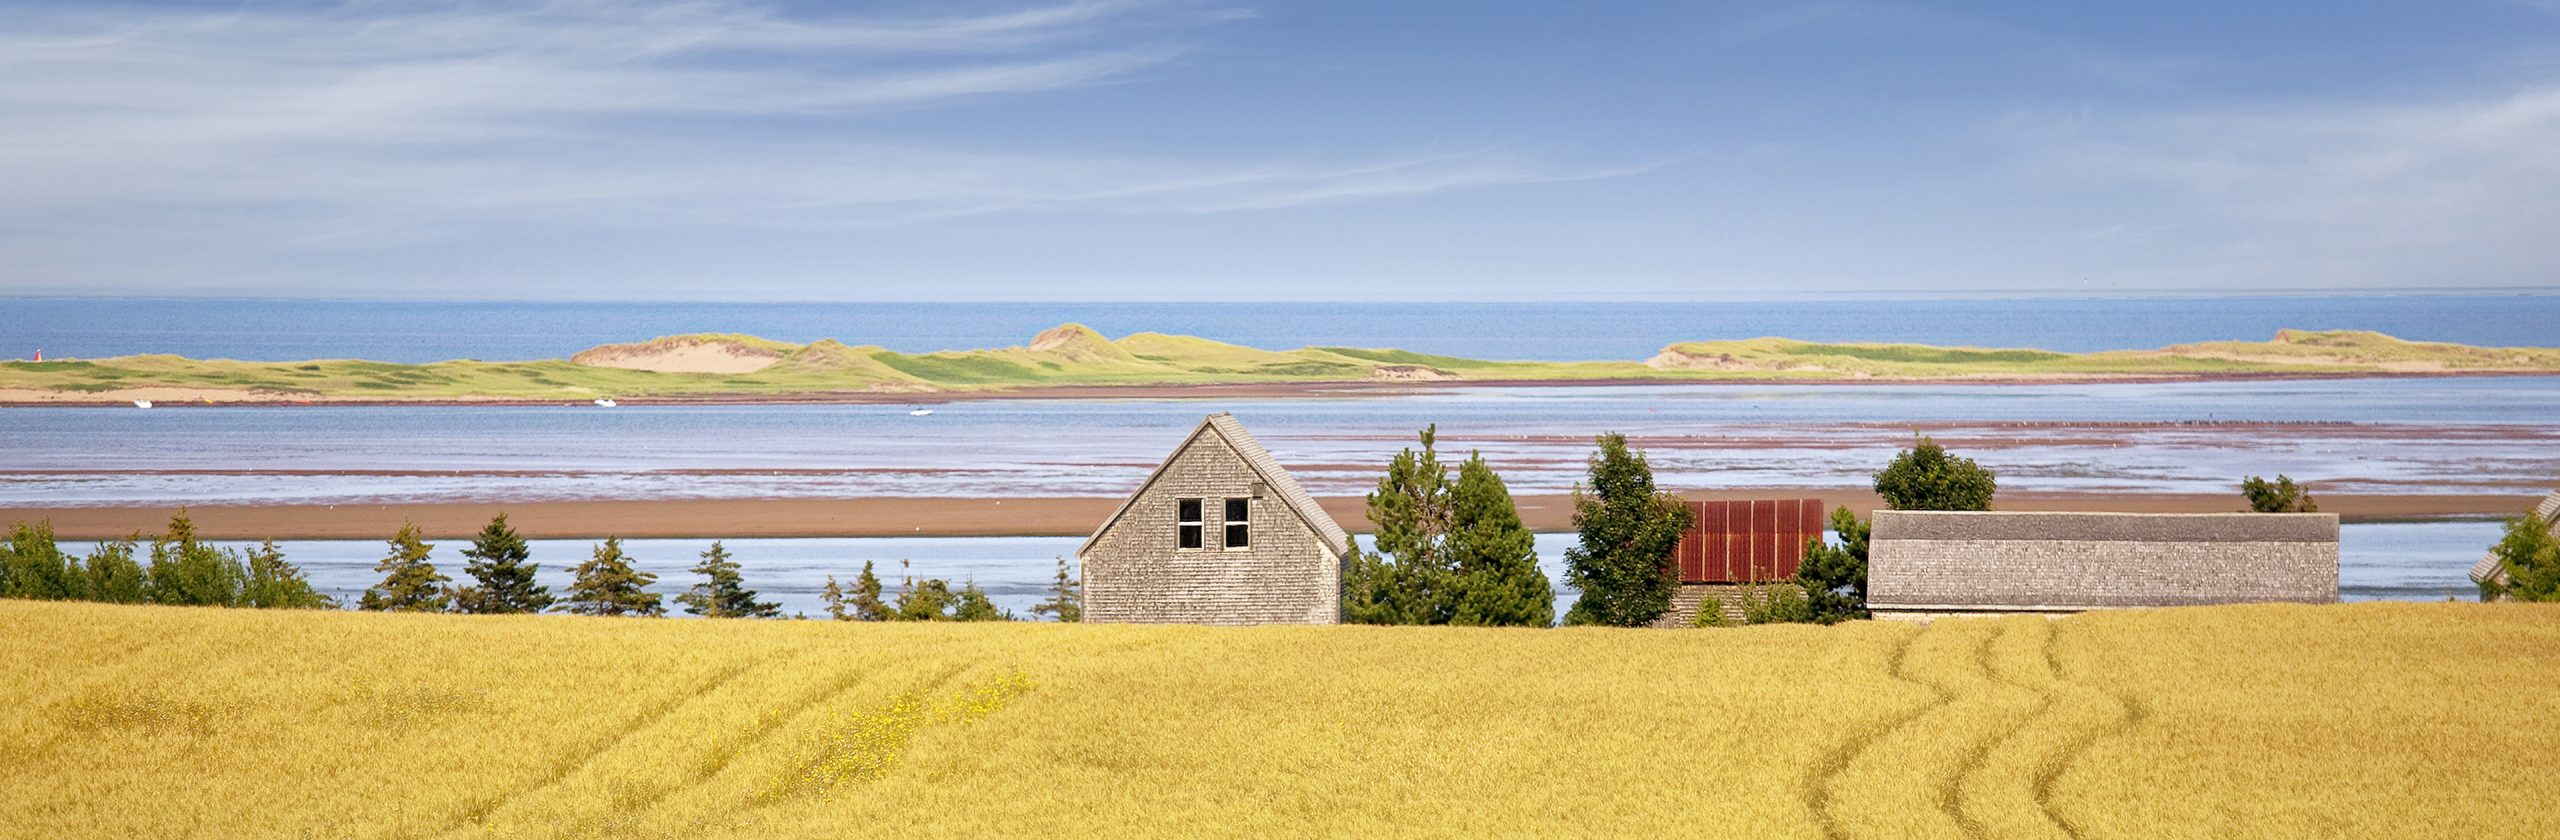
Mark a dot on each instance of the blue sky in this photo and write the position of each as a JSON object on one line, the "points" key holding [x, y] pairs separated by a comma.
{"points": [[1180, 150]]}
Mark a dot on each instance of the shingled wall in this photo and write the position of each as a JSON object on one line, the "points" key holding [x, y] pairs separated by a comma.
{"points": [[1134, 571], [1934, 562]]}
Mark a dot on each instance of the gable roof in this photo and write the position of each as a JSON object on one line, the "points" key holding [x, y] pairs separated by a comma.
{"points": [[1275, 477], [2488, 567]]}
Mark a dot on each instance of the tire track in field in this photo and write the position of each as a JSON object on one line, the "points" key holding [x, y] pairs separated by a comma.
{"points": [[562, 770], [2129, 715], [775, 723], [1818, 794], [1951, 798]]}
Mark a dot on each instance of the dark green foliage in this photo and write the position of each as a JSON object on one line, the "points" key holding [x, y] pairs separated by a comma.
{"points": [[1622, 564], [33, 566], [2531, 557], [1447, 552], [1066, 597], [2282, 496], [973, 605], [409, 582], [1776, 603], [1925, 477], [1834, 577], [930, 600], [723, 592], [501, 573], [866, 602], [186, 572], [608, 585], [833, 597], [276, 585], [114, 576]]}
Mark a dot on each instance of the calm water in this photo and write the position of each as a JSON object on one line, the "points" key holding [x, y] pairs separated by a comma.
{"points": [[283, 330], [2423, 561], [2499, 435]]}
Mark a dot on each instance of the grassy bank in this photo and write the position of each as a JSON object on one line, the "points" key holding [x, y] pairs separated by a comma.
{"points": [[735, 366], [2279, 721]]}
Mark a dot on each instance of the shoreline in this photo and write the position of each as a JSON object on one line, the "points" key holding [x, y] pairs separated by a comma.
{"points": [[183, 397], [911, 516]]}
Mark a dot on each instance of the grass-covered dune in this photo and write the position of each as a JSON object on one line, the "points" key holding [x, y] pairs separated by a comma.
{"points": [[723, 366], [2367, 720]]}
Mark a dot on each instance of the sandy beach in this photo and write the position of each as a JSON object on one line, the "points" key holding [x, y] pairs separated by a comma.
{"points": [[954, 517]]}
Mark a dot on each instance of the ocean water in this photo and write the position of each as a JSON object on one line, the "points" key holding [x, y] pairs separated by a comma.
{"points": [[2422, 561], [284, 330]]}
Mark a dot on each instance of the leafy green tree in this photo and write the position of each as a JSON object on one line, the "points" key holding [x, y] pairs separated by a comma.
{"points": [[2530, 555], [2281, 496], [1835, 576], [973, 605], [187, 572], [608, 585], [502, 574], [1066, 597], [1407, 579], [1622, 564], [409, 582], [277, 585], [114, 576], [1499, 582], [723, 592], [32, 566], [1925, 477]]}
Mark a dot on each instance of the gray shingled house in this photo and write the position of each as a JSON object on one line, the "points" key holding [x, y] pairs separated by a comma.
{"points": [[2488, 568], [1219, 534], [1922, 564]]}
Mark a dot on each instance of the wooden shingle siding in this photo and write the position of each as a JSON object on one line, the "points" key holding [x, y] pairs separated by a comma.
{"points": [[1930, 562], [1290, 573]]}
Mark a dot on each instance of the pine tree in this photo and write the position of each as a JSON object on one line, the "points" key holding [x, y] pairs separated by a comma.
{"points": [[1835, 577], [723, 592], [929, 600], [866, 602], [1925, 477], [1495, 556], [187, 572], [1622, 565], [114, 576], [1407, 579], [1066, 597], [409, 582], [833, 597], [502, 574], [973, 605], [278, 585], [608, 585]]}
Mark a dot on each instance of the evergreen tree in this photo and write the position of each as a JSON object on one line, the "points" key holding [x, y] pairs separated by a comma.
{"points": [[2530, 555], [973, 605], [409, 582], [187, 572], [1496, 558], [865, 599], [833, 597], [723, 592], [1925, 477], [930, 600], [32, 566], [114, 576], [502, 574], [1622, 565], [1835, 577], [2282, 496], [276, 584], [1066, 597], [608, 585], [1407, 579]]}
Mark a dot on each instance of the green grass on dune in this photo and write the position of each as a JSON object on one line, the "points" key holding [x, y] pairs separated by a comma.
{"points": [[1076, 355]]}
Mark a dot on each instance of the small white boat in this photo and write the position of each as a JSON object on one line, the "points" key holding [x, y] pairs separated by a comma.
{"points": [[602, 402], [142, 403], [921, 412]]}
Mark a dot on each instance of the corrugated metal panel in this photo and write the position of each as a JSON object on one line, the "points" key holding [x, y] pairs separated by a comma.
{"points": [[1741, 541]]}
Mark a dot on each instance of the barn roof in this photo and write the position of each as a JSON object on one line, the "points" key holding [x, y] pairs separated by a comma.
{"points": [[2488, 567], [2064, 561], [1281, 485]]}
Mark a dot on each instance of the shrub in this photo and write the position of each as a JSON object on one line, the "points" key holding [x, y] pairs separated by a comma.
{"points": [[1622, 564], [2282, 496], [2530, 556], [1925, 477]]}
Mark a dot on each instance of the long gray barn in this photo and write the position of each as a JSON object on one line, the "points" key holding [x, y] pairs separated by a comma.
{"points": [[2488, 569], [1923, 564], [1219, 534]]}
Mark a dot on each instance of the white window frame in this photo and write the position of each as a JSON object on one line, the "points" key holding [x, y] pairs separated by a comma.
{"points": [[1226, 535], [1196, 527]]}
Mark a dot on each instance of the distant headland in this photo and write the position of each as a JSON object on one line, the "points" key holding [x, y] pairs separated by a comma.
{"points": [[1073, 360]]}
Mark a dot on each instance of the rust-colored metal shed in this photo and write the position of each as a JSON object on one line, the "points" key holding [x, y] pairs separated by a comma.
{"points": [[1748, 540]]}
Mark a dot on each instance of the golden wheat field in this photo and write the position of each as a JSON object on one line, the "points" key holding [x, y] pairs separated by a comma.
{"points": [[2402, 720]]}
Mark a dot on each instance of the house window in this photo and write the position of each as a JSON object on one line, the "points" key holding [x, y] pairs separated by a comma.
{"points": [[1190, 525], [1239, 523]]}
